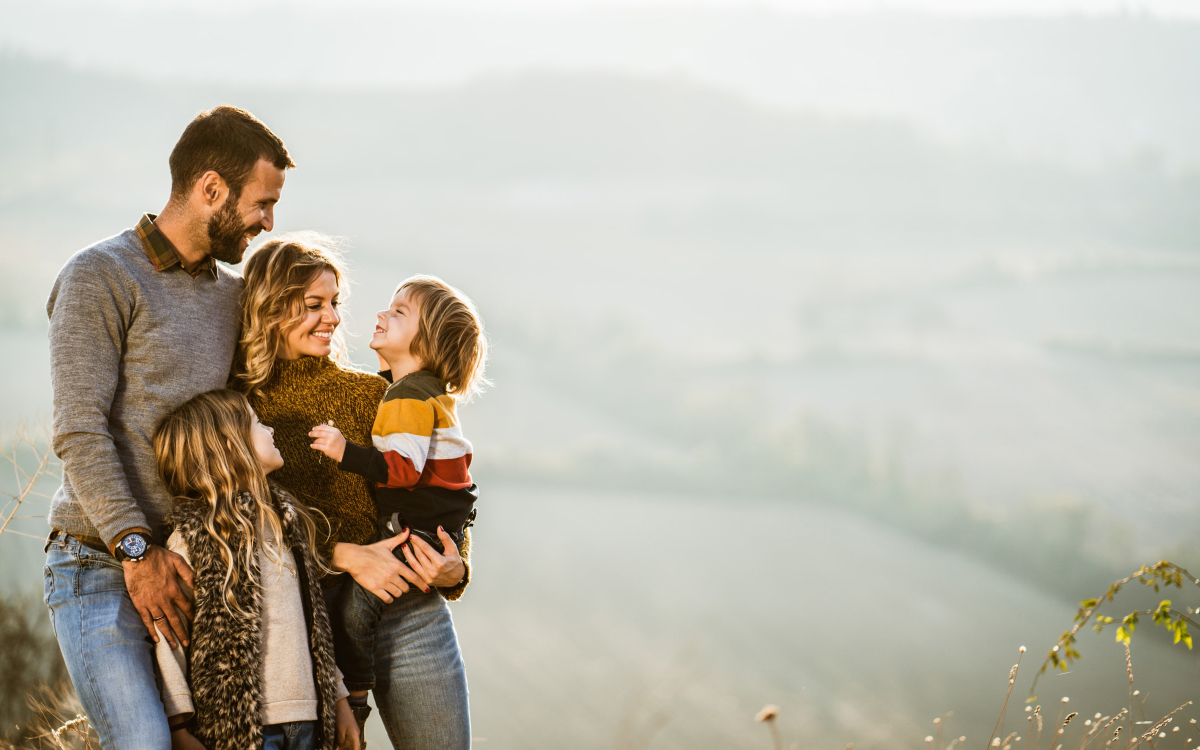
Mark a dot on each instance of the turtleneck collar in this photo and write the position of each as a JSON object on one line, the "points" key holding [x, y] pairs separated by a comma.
{"points": [[302, 366]]}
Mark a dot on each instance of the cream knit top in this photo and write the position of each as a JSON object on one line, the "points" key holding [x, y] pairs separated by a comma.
{"points": [[289, 691]]}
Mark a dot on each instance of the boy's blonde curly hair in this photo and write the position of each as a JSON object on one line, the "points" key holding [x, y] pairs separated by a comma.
{"points": [[450, 340]]}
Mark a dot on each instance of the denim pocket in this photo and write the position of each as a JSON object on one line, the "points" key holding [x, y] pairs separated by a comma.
{"points": [[48, 595], [99, 574]]}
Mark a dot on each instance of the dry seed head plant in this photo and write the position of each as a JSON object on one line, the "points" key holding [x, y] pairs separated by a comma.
{"points": [[1094, 730], [34, 715], [32, 462], [57, 722]]}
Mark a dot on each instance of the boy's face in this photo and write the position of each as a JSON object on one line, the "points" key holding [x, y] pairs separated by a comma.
{"points": [[396, 326]]}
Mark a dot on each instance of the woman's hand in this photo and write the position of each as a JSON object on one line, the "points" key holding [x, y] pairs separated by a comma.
{"points": [[375, 567], [329, 441], [347, 727], [182, 739], [437, 570]]}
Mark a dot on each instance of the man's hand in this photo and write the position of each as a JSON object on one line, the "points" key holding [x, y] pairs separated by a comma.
{"points": [[329, 441], [154, 587], [376, 569], [182, 739], [347, 727]]}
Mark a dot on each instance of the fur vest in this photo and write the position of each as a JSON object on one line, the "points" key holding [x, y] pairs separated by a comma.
{"points": [[225, 658]]}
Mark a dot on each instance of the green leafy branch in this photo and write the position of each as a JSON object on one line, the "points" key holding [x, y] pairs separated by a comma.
{"points": [[1159, 575]]}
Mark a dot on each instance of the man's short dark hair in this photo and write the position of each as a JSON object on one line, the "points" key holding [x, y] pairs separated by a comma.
{"points": [[228, 141]]}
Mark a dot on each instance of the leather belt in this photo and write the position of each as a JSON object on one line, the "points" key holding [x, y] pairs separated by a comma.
{"points": [[95, 543]]}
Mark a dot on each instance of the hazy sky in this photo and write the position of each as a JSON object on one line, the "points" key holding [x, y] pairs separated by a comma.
{"points": [[954, 7], [1084, 80]]}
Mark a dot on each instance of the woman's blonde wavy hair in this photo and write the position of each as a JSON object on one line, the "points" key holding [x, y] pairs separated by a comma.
{"points": [[205, 453], [276, 274], [450, 341]]}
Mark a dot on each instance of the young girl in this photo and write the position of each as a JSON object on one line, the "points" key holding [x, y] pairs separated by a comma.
{"points": [[260, 671], [432, 340]]}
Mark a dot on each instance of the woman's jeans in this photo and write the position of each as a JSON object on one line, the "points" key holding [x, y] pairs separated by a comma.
{"points": [[294, 735], [420, 681], [108, 652]]}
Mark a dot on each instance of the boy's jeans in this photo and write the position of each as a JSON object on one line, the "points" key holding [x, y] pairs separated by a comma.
{"points": [[355, 620], [108, 652], [411, 645]]}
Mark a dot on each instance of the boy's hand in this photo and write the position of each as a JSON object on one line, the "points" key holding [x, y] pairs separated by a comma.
{"points": [[347, 727], [329, 441]]}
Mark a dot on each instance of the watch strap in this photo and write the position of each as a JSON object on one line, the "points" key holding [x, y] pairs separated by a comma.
{"points": [[112, 548]]}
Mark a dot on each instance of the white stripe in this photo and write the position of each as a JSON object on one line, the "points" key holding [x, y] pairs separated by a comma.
{"points": [[413, 447], [448, 442]]}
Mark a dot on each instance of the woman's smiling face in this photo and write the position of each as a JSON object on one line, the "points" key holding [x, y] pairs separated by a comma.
{"points": [[313, 335]]}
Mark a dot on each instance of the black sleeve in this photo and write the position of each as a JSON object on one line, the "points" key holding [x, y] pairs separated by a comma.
{"points": [[365, 461]]}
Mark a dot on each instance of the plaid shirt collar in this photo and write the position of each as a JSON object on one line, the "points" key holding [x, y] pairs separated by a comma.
{"points": [[162, 253]]}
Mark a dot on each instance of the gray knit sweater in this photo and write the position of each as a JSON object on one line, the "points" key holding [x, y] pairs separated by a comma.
{"points": [[127, 345]]}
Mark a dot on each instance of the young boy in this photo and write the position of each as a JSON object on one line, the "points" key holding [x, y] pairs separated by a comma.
{"points": [[432, 339]]}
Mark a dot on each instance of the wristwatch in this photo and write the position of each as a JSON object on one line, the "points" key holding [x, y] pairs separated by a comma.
{"points": [[132, 547]]}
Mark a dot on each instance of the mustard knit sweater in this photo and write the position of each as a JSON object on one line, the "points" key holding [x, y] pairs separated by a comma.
{"points": [[302, 393]]}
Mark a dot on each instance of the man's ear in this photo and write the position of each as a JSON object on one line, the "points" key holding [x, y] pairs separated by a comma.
{"points": [[211, 189]]}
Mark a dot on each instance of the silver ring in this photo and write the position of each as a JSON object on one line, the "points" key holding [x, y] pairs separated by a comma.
{"points": [[160, 617]]}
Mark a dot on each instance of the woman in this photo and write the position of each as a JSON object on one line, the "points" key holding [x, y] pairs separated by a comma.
{"points": [[292, 365]]}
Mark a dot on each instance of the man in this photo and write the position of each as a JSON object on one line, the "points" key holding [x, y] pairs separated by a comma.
{"points": [[139, 323]]}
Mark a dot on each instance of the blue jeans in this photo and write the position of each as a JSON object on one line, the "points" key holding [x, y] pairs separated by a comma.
{"points": [[420, 681], [108, 652], [294, 735]]}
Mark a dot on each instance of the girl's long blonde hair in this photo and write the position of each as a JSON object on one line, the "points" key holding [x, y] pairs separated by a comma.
{"points": [[205, 454], [276, 274], [450, 341]]}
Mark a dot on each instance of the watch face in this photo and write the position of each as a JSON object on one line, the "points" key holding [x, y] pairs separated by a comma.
{"points": [[134, 545]]}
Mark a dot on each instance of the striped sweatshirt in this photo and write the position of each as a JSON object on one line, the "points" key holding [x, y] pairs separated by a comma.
{"points": [[419, 459]]}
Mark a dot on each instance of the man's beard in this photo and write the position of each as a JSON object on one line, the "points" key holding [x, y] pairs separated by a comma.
{"points": [[225, 232]]}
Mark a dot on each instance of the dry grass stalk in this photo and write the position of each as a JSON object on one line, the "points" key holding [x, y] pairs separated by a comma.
{"points": [[1129, 671], [59, 724], [1012, 678], [45, 465], [940, 723], [767, 716], [1149, 736]]}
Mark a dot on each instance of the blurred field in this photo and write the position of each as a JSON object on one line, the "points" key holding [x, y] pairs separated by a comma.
{"points": [[592, 607], [593, 614]]}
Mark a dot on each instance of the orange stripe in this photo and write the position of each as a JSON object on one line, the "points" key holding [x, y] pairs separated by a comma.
{"points": [[404, 415], [444, 409]]}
